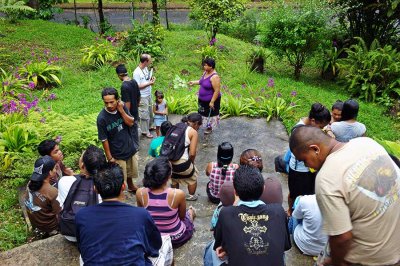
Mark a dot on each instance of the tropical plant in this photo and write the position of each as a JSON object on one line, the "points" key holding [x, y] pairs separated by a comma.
{"points": [[390, 146], [214, 13], [179, 83], [98, 54], [15, 9], [143, 38], [277, 107], [330, 63], [16, 138], [371, 72], [256, 58], [6, 161], [42, 74], [234, 106], [208, 51], [294, 33], [9, 82], [182, 105]]}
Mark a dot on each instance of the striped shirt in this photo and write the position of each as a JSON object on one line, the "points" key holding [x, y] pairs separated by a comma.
{"points": [[217, 179], [165, 217]]}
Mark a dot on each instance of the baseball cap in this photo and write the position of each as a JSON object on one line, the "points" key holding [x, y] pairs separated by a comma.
{"points": [[43, 166]]}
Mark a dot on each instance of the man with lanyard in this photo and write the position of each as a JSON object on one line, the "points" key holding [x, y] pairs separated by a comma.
{"points": [[144, 78], [114, 125]]}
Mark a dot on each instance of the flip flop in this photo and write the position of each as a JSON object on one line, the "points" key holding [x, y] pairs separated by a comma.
{"points": [[149, 136], [190, 197]]}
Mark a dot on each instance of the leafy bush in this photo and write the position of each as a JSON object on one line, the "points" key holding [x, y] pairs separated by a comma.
{"points": [[17, 138], [245, 27], [330, 63], [256, 58], [42, 74], [294, 33], [14, 9], [180, 83], [9, 82], [143, 38], [390, 146], [371, 73], [182, 105], [208, 51], [98, 54]]}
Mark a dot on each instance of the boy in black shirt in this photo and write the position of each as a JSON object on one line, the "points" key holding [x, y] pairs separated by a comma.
{"points": [[251, 233]]}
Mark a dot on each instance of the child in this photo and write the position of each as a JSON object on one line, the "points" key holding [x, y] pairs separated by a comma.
{"points": [[337, 111], [160, 111], [220, 171], [155, 145]]}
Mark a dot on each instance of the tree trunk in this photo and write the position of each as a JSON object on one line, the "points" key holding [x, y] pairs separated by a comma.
{"points": [[297, 71], [133, 9], [101, 17], [166, 14], [156, 17], [76, 17]]}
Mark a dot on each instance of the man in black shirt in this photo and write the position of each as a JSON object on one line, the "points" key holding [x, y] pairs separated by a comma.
{"points": [[114, 125], [130, 95], [251, 233]]}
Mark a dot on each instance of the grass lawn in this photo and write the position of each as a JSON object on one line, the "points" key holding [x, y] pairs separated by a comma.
{"points": [[80, 91]]}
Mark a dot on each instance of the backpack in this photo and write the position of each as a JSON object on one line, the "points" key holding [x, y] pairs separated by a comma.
{"points": [[173, 145], [80, 195]]}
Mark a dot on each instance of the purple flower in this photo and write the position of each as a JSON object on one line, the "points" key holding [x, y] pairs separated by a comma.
{"points": [[49, 62], [20, 96], [52, 96], [5, 83], [271, 83], [293, 93], [43, 120], [33, 54], [279, 95], [58, 139], [213, 41], [46, 52], [31, 85], [12, 93], [243, 85]]}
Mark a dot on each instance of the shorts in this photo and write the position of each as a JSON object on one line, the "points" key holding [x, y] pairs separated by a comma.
{"points": [[130, 166], [159, 119], [213, 199], [301, 183], [184, 172], [186, 235]]}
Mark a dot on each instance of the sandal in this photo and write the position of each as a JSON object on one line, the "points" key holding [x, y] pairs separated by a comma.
{"points": [[190, 197], [194, 212], [149, 136], [208, 130]]}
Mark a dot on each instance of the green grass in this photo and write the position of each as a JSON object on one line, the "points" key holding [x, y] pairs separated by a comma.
{"points": [[80, 91]]}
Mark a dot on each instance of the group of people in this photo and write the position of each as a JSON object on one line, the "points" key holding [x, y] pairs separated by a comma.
{"points": [[343, 187]]}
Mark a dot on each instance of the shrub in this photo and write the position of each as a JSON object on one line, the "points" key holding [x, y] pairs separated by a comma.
{"points": [[15, 10], [294, 33], [98, 54], [208, 51], [42, 74], [9, 81], [371, 73], [17, 138], [256, 58], [244, 28], [330, 63], [143, 38]]}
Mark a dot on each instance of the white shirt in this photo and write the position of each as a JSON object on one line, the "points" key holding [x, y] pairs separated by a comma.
{"points": [[142, 76], [308, 236]]}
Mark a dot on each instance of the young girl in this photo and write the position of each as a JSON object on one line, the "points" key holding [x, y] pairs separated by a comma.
{"points": [[166, 205], [220, 171], [160, 111], [337, 111]]}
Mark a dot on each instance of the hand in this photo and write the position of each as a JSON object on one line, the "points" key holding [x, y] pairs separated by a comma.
{"points": [[191, 83], [112, 160], [211, 105], [152, 80], [221, 253], [120, 106]]}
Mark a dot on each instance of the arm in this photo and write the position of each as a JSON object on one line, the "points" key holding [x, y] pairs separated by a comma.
{"points": [[340, 245], [208, 169], [137, 78], [166, 110], [180, 198], [128, 119], [194, 82], [106, 147], [216, 84], [139, 202], [193, 136]]}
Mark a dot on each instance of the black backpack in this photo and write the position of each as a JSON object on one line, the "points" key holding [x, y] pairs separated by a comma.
{"points": [[173, 145], [80, 195]]}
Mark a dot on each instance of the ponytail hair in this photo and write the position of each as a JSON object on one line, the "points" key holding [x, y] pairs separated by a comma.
{"points": [[194, 118], [319, 113]]}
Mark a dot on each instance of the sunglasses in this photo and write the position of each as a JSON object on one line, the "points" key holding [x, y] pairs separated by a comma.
{"points": [[255, 159]]}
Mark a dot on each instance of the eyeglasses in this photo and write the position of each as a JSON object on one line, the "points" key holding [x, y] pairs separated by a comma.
{"points": [[255, 159]]}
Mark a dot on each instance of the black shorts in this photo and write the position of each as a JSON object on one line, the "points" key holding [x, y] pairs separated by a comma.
{"points": [[301, 183], [204, 107]]}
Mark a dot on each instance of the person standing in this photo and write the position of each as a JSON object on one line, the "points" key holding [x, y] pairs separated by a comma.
{"points": [[357, 189], [209, 95], [130, 95], [145, 80], [114, 125]]}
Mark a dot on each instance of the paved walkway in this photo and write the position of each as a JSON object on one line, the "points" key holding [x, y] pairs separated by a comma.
{"points": [[269, 138]]}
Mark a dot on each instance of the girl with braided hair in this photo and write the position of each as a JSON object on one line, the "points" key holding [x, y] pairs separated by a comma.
{"points": [[220, 171]]}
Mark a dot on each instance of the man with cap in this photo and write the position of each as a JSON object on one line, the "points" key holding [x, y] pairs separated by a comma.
{"points": [[130, 95], [40, 197]]}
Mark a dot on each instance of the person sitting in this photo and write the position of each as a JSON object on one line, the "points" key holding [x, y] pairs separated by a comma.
{"points": [[252, 158], [272, 190], [220, 172], [51, 148], [262, 229], [155, 145], [308, 234], [166, 205], [113, 232], [348, 128], [337, 108], [90, 162], [40, 197]]}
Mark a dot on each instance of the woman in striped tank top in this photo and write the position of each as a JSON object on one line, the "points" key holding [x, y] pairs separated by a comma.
{"points": [[166, 205]]}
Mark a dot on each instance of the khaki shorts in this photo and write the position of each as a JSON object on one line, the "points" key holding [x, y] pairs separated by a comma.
{"points": [[130, 166], [191, 180]]}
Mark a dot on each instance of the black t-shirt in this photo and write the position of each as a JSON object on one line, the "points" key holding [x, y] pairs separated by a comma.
{"points": [[111, 127], [253, 236], [130, 93]]}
